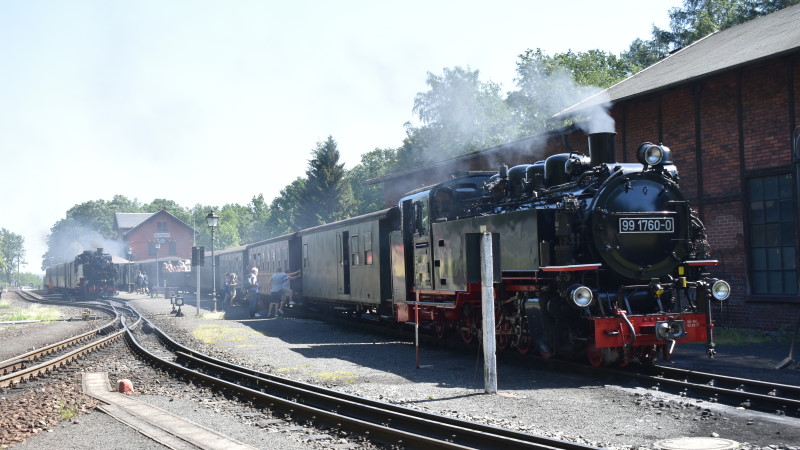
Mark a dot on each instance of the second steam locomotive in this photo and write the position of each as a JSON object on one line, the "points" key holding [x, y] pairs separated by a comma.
{"points": [[92, 274]]}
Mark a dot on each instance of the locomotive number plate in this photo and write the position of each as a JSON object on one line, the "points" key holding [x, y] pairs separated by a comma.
{"points": [[647, 225]]}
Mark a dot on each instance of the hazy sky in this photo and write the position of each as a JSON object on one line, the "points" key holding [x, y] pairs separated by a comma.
{"points": [[215, 102]]}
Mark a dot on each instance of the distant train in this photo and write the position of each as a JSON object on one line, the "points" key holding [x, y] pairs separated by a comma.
{"points": [[89, 275], [592, 258]]}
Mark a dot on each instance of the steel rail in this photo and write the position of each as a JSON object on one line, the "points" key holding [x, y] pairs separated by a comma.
{"points": [[48, 366], [17, 369], [761, 395], [383, 421]]}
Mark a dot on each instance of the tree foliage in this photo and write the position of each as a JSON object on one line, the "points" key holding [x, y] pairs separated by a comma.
{"points": [[12, 253], [459, 113], [327, 196], [696, 20], [374, 164]]}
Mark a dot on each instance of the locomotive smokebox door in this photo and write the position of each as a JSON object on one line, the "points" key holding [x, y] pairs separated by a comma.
{"points": [[474, 257]]}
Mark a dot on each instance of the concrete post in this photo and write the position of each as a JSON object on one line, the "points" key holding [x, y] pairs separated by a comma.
{"points": [[487, 294]]}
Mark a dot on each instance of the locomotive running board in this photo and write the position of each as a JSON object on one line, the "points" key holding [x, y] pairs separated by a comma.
{"points": [[702, 262], [571, 268]]}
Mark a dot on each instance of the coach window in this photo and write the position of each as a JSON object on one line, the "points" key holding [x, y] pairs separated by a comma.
{"points": [[354, 250], [272, 259], [305, 256], [772, 235], [368, 248]]}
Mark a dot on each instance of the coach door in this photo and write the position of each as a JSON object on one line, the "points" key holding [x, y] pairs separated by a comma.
{"points": [[343, 268]]}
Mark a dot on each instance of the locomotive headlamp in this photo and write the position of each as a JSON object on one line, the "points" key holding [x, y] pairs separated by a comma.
{"points": [[650, 154], [720, 289], [581, 295]]}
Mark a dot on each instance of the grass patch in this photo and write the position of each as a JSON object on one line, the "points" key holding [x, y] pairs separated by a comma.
{"points": [[347, 377], [303, 369], [67, 412], [213, 333], [33, 312], [5, 304], [219, 315]]}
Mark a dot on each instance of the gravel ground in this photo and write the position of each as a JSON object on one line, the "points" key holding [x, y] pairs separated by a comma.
{"points": [[21, 337], [605, 413]]}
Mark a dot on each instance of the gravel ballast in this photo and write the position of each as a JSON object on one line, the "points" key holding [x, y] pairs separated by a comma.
{"points": [[605, 413]]}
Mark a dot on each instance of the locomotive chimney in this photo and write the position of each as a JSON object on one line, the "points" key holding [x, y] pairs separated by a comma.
{"points": [[601, 148]]}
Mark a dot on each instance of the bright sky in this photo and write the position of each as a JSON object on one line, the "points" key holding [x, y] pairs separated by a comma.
{"points": [[216, 102]]}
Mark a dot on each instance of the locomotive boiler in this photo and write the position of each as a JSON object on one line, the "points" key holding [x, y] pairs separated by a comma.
{"points": [[594, 258]]}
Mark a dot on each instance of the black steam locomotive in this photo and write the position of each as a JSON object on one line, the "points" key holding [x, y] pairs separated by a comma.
{"points": [[89, 275], [596, 258], [592, 258]]}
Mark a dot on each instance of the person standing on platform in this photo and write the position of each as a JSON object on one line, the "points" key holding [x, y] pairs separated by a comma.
{"points": [[252, 293], [277, 282]]}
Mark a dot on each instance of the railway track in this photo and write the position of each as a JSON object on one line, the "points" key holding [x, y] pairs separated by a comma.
{"points": [[50, 357], [757, 395], [409, 428], [382, 422]]}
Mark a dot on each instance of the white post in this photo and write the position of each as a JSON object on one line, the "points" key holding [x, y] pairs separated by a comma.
{"points": [[197, 299], [487, 293]]}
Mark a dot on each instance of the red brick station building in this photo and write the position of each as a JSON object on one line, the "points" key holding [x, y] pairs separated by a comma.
{"points": [[141, 232], [727, 106]]}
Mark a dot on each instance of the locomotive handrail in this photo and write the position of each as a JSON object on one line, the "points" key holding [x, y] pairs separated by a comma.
{"points": [[702, 262], [638, 213], [439, 304], [571, 268]]}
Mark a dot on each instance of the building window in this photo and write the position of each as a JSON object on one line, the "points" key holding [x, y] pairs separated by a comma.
{"points": [[161, 226], [772, 235], [173, 248]]}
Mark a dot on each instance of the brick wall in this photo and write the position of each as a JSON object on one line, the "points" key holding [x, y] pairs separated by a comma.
{"points": [[745, 120]]}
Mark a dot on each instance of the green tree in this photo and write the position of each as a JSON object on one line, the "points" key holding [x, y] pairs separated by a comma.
{"points": [[169, 206], [459, 114], [87, 226], [373, 164], [285, 209], [328, 196], [696, 20], [547, 85], [12, 249], [258, 215]]}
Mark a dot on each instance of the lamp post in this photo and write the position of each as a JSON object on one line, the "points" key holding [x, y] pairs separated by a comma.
{"points": [[213, 221], [157, 246], [130, 262]]}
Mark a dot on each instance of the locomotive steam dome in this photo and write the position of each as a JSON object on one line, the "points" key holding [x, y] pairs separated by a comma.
{"points": [[640, 225]]}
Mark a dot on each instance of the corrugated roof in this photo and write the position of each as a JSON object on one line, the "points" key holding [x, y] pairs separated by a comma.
{"points": [[765, 37]]}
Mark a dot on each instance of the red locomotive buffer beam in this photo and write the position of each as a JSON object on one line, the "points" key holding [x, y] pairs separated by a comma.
{"points": [[613, 332]]}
